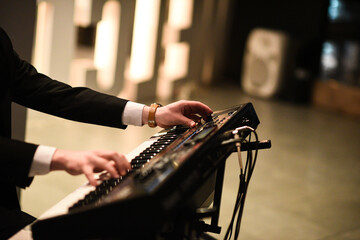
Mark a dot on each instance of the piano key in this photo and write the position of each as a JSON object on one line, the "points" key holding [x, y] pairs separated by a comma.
{"points": [[135, 152], [136, 166], [146, 151], [63, 206], [143, 161], [152, 151], [142, 158], [160, 140]]}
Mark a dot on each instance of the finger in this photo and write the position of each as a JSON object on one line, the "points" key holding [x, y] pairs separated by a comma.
{"points": [[88, 171], [101, 163], [195, 118], [194, 107], [109, 166], [122, 164], [187, 121], [126, 167], [119, 161]]}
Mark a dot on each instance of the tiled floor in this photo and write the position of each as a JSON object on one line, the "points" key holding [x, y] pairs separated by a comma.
{"points": [[305, 187]]}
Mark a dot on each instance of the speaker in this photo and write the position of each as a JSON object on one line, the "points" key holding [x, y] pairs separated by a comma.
{"points": [[264, 63]]}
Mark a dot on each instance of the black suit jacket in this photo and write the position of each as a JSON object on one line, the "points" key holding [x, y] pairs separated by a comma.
{"points": [[21, 83]]}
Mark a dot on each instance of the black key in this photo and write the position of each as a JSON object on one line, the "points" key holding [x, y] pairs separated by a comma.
{"points": [[136, 166], [152, 151], [142, 161]]}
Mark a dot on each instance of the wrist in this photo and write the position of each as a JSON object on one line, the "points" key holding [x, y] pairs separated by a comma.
{"points": [[57, 160], [151, 116], [145, 115]]}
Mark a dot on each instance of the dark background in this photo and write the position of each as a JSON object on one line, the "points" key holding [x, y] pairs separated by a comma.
{"points": [[305, 21], [17, 18], [308, 24]]}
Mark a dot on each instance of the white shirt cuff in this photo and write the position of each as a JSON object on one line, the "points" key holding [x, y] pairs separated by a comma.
{"points": [[42, 160], [132, 114]]}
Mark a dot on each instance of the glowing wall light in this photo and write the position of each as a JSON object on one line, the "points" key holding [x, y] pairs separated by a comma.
{"points": [[82, 16], [106, 44], [144, 40], [180, 13], [176, 59], [176, 53], [43, 35]]}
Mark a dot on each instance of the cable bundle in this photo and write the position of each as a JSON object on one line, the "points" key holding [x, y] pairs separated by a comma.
{"points": [[245, 176]]}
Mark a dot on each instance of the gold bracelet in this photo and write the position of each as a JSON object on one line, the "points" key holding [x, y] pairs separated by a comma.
{"points": [[152, 111]]}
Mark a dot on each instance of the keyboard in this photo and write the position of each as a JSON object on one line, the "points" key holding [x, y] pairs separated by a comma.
{"points": [[173, 172]]}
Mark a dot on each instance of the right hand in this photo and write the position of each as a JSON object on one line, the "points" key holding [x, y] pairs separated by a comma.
{"points": [[182, 112], [90, 162]]}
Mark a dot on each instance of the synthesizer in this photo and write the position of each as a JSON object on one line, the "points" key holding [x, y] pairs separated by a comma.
{"points": [[171, 175]]}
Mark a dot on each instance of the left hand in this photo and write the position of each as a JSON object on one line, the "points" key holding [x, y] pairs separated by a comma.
{"points": [[182, 112], [90, 162]]}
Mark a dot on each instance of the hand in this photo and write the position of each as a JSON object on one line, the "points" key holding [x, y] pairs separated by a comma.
{"points": [[90, 162], [182, 112]]}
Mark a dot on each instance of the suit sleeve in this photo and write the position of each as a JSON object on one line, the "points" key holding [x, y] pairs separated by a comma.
{"points": [[16, 161], [15, 156], [21, 83], [37, 91]]}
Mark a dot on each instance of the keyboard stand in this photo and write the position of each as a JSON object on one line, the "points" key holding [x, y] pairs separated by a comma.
{"points": [[191, 224]]}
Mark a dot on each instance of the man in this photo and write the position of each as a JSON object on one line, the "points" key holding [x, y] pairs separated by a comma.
{"points": [[21, 161]]}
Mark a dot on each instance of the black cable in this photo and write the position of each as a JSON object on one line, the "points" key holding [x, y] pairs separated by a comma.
{"points": [[256, 152], [252, 162], [247, 160], [237, 202], [242, 190], [246, 181]]}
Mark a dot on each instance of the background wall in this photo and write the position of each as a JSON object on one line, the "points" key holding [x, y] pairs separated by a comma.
{"points": [[18, 19]]}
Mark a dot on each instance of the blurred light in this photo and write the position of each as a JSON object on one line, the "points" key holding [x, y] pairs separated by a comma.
{"points": [[334, 10], [176, 60], [177, 53], [82, 16], [106, 44], [334, 3], [338, 11], [42, 49], [144, 40], [180, 13], [329, 56]]}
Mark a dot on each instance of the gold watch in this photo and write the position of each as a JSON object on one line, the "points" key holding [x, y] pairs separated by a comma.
{"points": [[152, 111]]}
